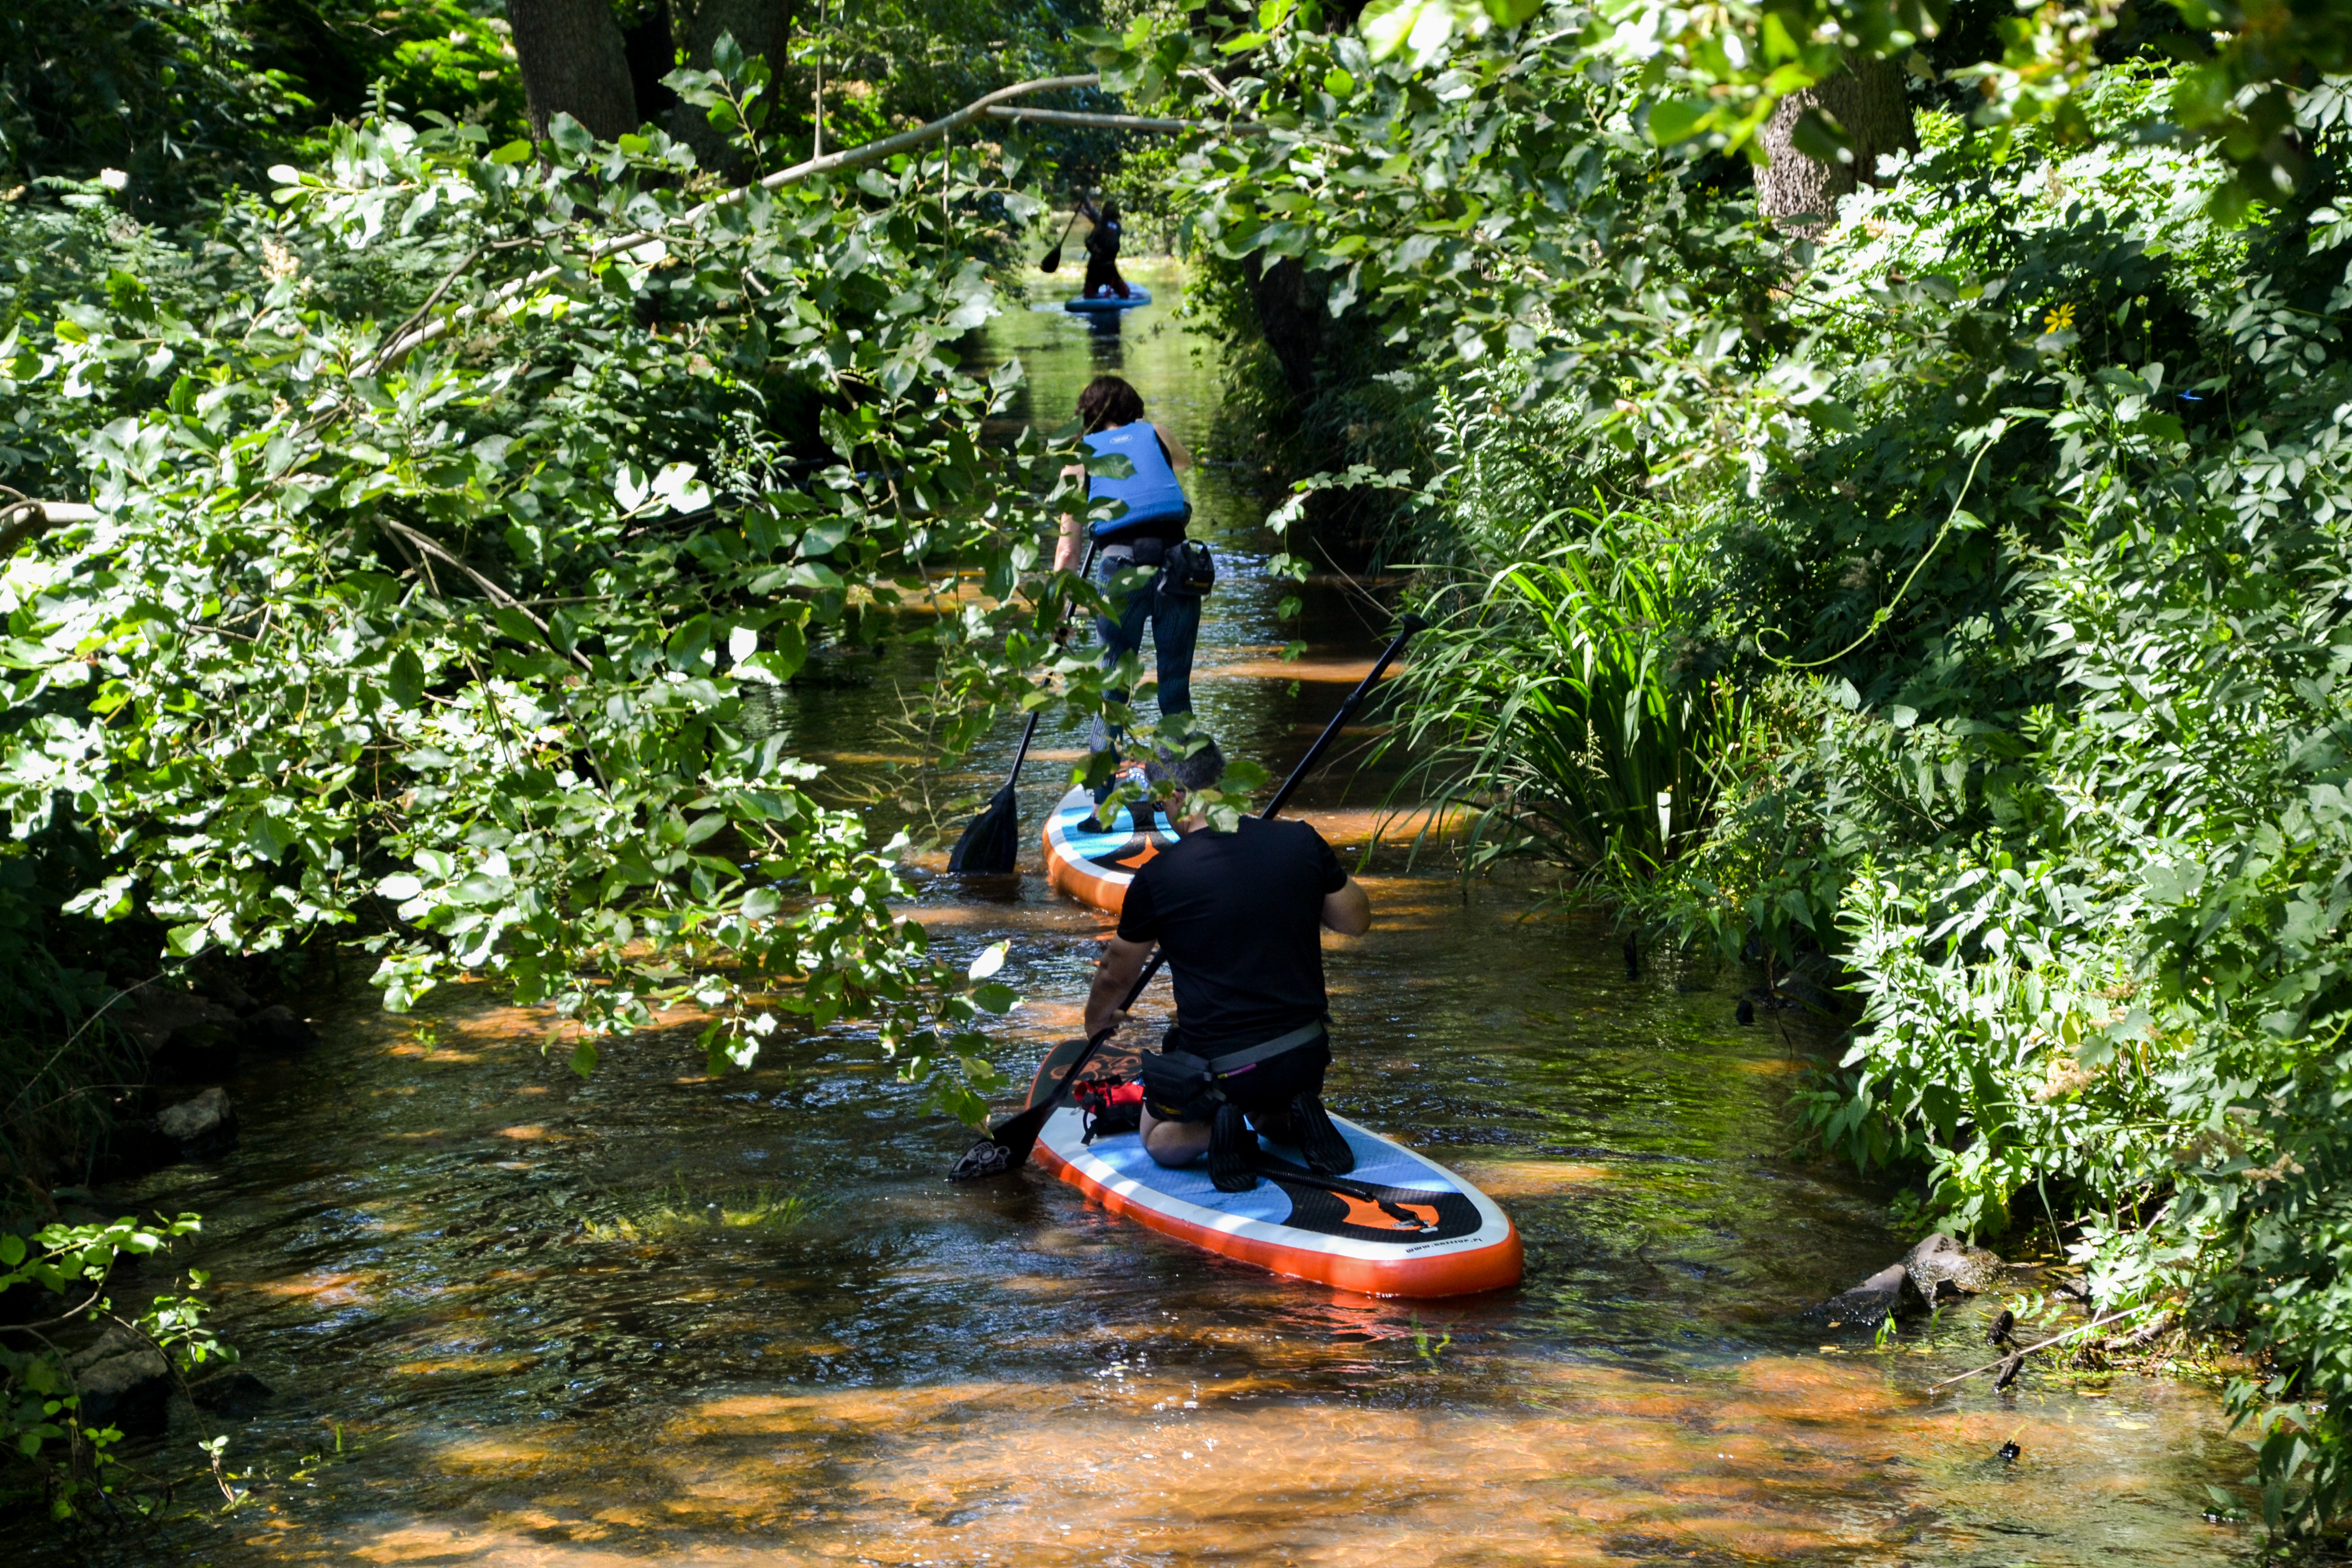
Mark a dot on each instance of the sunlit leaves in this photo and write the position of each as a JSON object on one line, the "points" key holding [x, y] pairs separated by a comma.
{"points": [[41, 1406], [462, 649]]}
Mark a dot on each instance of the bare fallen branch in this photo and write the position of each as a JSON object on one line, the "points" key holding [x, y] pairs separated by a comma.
{"points": [[2020, 1356], [1124, 121], [26, 520]]}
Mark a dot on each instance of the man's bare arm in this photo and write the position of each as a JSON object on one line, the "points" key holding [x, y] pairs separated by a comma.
{"points": [[1114, 975], [1348, 911], [1070, 544], [1178, 457]]}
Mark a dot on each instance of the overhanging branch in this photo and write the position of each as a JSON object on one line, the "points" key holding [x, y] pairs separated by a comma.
{"points": [[1124, 121], [403, 344], [496, 594], [24, 519]]}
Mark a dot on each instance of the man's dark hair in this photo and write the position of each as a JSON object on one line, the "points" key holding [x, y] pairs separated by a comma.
{"points": [[1199, 770], [1109, 401]]}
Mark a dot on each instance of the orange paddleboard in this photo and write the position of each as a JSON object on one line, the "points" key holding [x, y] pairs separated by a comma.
{"points": [[1096, 867], [1447, 1238]]}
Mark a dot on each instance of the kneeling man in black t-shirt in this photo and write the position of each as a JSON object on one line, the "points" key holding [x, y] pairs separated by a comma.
{"points": [[1240, 916]]}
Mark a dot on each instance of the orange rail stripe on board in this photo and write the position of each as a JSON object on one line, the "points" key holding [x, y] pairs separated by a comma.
{"points": [[1067, 874]]}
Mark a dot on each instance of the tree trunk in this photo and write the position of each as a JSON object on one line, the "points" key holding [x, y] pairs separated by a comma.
{"points": [[1867, 98], [652, 55], [761, 27], [572, 63], [1290, 317]]}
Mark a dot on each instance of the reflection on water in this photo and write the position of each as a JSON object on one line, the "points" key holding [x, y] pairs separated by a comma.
{"points": [[539, 1347]]}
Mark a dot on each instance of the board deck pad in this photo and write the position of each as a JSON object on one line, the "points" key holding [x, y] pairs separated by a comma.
{"points": [[1136, 295], [1459, 1241], [1096, 867]]}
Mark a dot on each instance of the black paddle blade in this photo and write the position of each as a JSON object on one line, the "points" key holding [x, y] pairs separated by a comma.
{"points": [[1006, 1145], [985, 1158], [1053, 262], [990, 845]]}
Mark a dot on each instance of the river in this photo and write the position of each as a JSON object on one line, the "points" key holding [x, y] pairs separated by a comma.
{"points": [[515, 1318]]}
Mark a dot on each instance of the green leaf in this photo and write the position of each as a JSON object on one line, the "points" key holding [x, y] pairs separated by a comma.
{"points": [[405, 680], [1676, 119], [569, 134]]}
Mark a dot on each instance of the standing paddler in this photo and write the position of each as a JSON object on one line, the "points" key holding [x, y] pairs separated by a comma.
{"points": [[1144, 535]]}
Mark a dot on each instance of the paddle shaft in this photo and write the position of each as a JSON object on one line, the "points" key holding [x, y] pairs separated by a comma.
{"points": [[1340, 720], [1054, 258], [1061, 636], [1290, 1175], [1030, 1122]]}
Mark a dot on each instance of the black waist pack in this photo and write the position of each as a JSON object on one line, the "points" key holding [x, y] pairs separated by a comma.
{"points": [[1145, 550], [1181, 1087], [1191, 571]]}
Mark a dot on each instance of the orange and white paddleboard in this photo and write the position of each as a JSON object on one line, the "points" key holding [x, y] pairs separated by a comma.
{"points": [[1452, 1240], [1096, 867]]}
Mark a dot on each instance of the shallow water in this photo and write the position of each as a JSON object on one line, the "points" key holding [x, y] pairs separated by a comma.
{"points": [[507, 1293]]}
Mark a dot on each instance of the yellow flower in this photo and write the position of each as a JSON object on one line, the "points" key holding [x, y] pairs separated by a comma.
{"points": [[2059, 320]]}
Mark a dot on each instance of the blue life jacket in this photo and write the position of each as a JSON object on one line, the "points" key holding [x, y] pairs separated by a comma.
{"points": [[1151, 493]]}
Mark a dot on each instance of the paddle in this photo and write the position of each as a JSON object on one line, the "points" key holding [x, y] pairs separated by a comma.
{"points": [[1009, 1143], [1409, 625], [990, 845], [1053, 262], [1290, 1175]]}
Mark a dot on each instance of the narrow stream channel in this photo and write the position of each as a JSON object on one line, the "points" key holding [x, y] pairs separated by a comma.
{"points": [[656, 1316]]}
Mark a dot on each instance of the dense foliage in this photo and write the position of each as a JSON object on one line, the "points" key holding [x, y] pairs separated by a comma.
{"points": [[408, 606], [1993, 536], [460, 511], [43, 1421]]}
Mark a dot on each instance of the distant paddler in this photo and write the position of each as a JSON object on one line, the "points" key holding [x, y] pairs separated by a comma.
{"points": [[1103, 281]]}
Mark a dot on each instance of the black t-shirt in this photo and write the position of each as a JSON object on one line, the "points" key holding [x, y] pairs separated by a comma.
{"points": [[1240, 916]]}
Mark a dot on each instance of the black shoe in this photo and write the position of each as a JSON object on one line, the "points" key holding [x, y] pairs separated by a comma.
{"points": [[1232, 1148], [1275, 1126], [1327, 1152], [1092, 825]]}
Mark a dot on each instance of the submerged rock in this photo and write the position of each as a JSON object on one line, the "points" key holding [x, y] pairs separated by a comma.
{"points": [[202, 1052], [123, 1382], [233, 1394], [280, 1028], [1888, 1292], [1937, 1266], [203, 1126], [152, 1015]]}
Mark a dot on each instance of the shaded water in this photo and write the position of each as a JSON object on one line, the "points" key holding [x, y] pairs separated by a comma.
{"points": [[655, 1315]]}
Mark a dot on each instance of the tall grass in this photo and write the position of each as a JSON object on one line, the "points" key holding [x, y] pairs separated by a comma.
{"points": [[1555, 701]]}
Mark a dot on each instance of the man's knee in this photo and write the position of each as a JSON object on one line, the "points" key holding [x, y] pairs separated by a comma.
{"points": [[1174, 1143]]}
